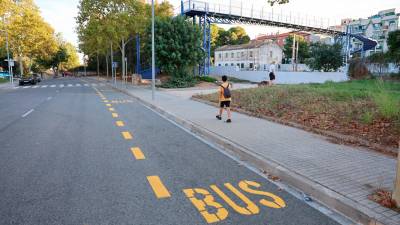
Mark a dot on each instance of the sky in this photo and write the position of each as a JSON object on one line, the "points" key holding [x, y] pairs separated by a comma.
{"points": [[61, 13]]}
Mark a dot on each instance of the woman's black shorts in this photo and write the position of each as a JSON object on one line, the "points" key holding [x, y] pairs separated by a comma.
{"points": [[271, 76]]}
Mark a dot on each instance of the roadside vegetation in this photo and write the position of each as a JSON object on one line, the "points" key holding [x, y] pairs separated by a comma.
{"points": [[368, 109], [33, 43], [2, 80]]}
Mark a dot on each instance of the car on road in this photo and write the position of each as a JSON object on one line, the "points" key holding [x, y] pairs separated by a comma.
{"points": [[27, 80], [38, 77]]}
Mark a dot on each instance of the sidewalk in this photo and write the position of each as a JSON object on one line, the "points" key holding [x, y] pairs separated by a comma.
{"points": [[339, 176]]}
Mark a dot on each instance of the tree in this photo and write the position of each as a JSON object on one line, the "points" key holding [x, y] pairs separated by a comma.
{"points": [[380, 59], [273, 2], [304, 49], [394, 46], [178, 46], [325, 57], [30, 36]]}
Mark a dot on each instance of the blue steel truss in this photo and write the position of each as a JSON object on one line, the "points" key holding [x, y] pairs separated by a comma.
{"points": [[223, 14]]}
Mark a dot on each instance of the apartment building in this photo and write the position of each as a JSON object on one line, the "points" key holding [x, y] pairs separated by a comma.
{"points": [[376, 27], [256, 55]]}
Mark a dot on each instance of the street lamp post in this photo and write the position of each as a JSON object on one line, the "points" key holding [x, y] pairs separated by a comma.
{"points": [[9, 61], [153, 65]]}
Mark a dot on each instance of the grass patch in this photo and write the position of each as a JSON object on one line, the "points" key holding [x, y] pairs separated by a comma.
{"points": [[369, 109], [206, 79], [2, 80]]}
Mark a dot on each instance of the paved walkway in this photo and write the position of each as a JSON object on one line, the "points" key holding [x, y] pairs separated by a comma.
{"points": [[351, 172]]}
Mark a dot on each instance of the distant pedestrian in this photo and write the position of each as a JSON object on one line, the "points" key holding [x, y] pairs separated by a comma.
{"points": [[272, 71], [225, 99]]}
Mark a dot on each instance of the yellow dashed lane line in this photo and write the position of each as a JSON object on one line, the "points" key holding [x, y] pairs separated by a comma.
{"points": [[138, 153], [127, 135], [119, 123], [158, 187]]}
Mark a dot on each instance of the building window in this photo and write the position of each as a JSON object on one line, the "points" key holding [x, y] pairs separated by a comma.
{"points": [[242, 65], [238, 54], [270, 54], [226, 64], [232, 55], [251, 54], [242, 54], [219, 64], [226, 55], [232, 64], [251, 65], [238, 65]]}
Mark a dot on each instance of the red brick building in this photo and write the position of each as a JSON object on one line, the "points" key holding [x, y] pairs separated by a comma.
{"points": [[280, 38]]}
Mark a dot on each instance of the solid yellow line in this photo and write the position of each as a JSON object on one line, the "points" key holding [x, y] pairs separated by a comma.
{"points": [[115, 115], [111, 109], [109, 105], [119, 123], [138, 153], [158, 187], [106, 101], [127, 135]]}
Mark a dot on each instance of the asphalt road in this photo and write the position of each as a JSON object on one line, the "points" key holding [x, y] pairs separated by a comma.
{"points": [[67, 157]]}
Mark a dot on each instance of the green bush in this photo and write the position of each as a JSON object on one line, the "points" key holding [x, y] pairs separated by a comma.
{"points": [[206, 79], [180, 82], [358, 69]]}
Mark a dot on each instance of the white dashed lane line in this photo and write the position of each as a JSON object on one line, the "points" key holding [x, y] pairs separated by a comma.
{"points": [[27, 113]]}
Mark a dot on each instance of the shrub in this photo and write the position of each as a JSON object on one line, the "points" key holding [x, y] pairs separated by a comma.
{"points": [[358, 70], [206, 79], [179, 82]]}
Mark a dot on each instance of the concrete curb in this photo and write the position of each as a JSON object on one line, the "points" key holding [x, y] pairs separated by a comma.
{"points": [[326, 196]]}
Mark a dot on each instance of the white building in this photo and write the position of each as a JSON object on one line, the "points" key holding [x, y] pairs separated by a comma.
{"points": [[256, 55], [376, 27]]}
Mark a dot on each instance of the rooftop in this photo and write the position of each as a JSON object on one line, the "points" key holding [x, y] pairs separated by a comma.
{"points": [[251, 45]]}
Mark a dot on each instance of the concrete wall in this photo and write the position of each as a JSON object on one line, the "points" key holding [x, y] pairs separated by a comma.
{"points": [[281, 77]]}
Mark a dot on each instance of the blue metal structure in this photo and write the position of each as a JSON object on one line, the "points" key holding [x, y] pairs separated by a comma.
{"points": [[231, 14]]}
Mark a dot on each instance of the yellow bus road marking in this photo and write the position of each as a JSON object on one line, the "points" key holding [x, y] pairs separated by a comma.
{"points": [[111, 109], [127, 135], [158, 187], [138, 153], [203, 200], [119, 123], [109, 105], [115, 115]]}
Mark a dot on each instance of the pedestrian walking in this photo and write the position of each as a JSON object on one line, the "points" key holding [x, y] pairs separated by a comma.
{"points": [[225, 99], [272, 76]]}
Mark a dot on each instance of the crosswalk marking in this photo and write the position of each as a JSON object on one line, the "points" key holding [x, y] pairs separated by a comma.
{"points": [[60, 85]]}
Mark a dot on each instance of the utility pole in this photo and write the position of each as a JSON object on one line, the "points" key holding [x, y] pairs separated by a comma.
{"points": [[153, 57], [8, 60], [297, 54], [112, 63], [293, 51]]}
